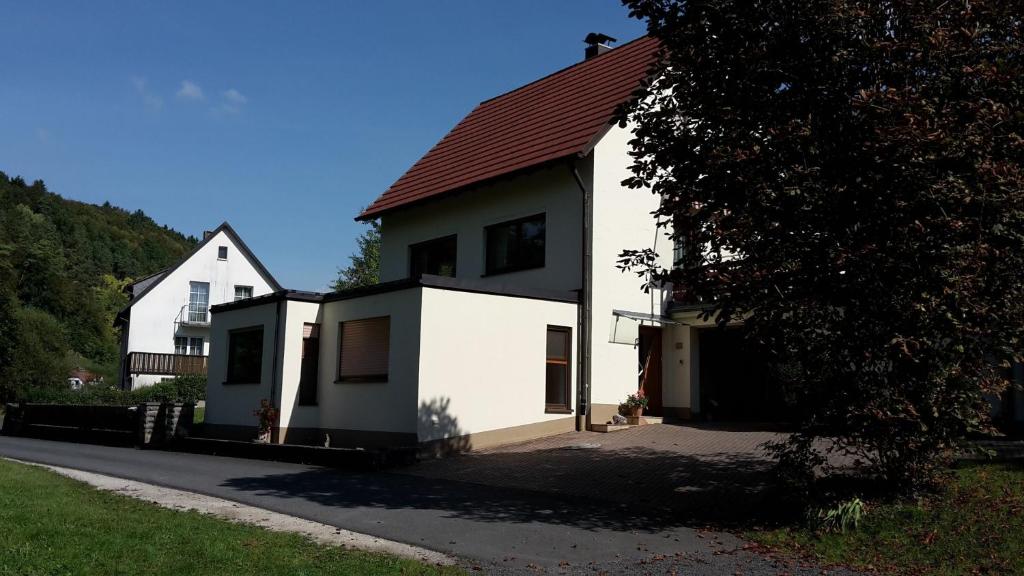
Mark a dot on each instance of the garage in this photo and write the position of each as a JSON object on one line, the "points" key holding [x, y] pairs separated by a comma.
{"points": [[735, 381]]}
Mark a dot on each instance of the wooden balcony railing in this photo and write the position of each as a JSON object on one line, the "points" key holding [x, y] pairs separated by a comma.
{"points": [[166, 364]]}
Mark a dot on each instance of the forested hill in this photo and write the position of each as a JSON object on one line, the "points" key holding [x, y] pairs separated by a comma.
{"points": [[63, 265]]}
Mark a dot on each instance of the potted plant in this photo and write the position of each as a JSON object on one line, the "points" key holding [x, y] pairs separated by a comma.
{"points": [[267, 416], [636, 403]]}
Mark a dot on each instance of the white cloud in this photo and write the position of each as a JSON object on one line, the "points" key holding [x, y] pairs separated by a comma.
{"points": [[235, 97], [152, 101], [190, 91]]}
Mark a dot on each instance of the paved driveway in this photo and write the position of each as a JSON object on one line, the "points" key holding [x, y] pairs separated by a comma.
{"points": [[707, 474]]}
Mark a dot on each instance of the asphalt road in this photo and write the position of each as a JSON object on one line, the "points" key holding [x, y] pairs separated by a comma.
{"points": [[501, 531]]}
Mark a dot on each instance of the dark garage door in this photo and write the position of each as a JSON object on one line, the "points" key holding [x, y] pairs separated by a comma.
{"points": [[735, 382]]}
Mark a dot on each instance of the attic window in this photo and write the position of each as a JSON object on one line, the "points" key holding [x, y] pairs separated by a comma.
{"points": [[222, 253]]}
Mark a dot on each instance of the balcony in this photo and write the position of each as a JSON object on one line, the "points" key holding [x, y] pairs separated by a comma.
{"points": [[159, 364], [190, 315]]}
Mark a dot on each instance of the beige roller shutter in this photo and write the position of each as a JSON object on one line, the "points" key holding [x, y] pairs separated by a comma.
{"points": [[364, 348]]}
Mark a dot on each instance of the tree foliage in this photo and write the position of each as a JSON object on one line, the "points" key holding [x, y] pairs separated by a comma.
{"points": [[846, 178], [364, 266], [63, 267]]}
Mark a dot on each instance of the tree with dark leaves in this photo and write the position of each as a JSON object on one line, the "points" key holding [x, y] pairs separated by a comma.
{"points": [[846, 177]]}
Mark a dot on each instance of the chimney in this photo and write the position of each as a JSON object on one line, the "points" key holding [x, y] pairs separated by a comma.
{"points": [[207, 234], [597, 44]]}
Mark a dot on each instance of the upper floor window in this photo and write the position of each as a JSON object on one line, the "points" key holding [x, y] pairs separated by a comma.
{"points": [[245, 355], [363, 350], [198, 301], [243, 292], [222, 253], [515, 245], [433, 257]]}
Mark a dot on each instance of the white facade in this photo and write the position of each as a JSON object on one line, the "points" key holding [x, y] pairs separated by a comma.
{"points": [[160, 313], [461, 365]]}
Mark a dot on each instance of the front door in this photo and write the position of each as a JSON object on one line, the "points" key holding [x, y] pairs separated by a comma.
{"points": [[650, 367]]}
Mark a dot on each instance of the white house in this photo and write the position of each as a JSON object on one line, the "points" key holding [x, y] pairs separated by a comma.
{"points": [[165, 329], [501, 315]]}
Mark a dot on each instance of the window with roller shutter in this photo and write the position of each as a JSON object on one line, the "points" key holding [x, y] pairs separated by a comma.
{"points": [[363, 350]]}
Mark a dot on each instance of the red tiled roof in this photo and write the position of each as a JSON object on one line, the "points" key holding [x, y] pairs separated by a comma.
{"points": [[551, 118]]}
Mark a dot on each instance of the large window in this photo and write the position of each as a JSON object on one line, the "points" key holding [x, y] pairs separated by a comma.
{"points": [[558, 374], [243, 292], [198, 301], [515, 245], [310, 364], [245, 355], [433, 257], [363, 348]]}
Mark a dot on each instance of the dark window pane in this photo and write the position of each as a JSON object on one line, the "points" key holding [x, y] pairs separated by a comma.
{"points": [[557, 344], [245, 356], [516, 245], [310, 365], [436, 257], [556, 390]]}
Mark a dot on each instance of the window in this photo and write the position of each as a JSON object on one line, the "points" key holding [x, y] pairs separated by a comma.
{"points": [[245, 355], [363, 348], [222, 252], [557, 378], [198, 301], [195, 346], [433, 257], [310, 364], [180, 345], [515, 245], [243, 292]]}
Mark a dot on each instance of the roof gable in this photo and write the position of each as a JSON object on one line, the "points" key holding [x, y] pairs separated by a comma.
{"points": [[555, 117], [147, 284]]}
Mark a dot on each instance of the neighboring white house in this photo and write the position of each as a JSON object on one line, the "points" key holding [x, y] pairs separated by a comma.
{"points": [[501, 314], [165, 329]]}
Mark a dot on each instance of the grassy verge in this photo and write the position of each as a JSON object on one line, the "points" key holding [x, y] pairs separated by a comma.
{"points": [[55, 525], [974, 525]]}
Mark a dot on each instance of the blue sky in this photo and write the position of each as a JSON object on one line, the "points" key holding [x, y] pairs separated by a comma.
{"points": [[283, 118]]}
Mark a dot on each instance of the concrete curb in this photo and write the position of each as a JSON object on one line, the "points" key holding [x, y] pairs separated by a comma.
{"points": [[244, 514]]}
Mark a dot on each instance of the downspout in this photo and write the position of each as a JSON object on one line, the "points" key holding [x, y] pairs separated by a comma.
{"points": [[273, 373], [585, 307]]}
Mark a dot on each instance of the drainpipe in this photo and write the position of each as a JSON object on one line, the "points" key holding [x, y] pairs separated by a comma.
{"points": [[585, 307]]}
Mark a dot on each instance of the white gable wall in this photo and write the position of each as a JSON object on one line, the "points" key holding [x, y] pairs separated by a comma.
{"points": [[622, 220], [152, 325], [551, 191]]}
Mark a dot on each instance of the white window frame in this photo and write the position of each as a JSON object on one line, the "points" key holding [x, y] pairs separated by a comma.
{"points": [[181, 345], [195, 346], [199, 302], [239, 286]]}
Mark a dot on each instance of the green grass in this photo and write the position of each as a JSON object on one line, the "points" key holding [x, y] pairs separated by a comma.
{"points": [[974, 525], [199, 415], [53, 525]]}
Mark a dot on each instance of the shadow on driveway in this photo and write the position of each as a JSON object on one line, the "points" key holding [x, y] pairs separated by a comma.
{"points": [[637, 490]]}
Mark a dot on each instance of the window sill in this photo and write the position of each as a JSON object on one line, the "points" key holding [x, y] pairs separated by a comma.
{"points": [[510, 270], [557, 410], [372, 379]]}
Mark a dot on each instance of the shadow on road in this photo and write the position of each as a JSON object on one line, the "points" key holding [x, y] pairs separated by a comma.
{"points": [[639, 489]]}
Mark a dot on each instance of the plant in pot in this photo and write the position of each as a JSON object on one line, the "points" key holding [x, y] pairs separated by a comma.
{"points": [[635, 403], [267, 416]]}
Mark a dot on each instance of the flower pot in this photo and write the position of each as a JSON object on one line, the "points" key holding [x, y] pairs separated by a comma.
{"points": [[263, 437], [636, 412]]}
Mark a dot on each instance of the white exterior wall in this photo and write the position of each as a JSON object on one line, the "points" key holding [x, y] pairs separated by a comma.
{"points": [[482, 362], [295, 315], [233, 404], [552, 191], [152, 325], [622, 220], [370, 406]]}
